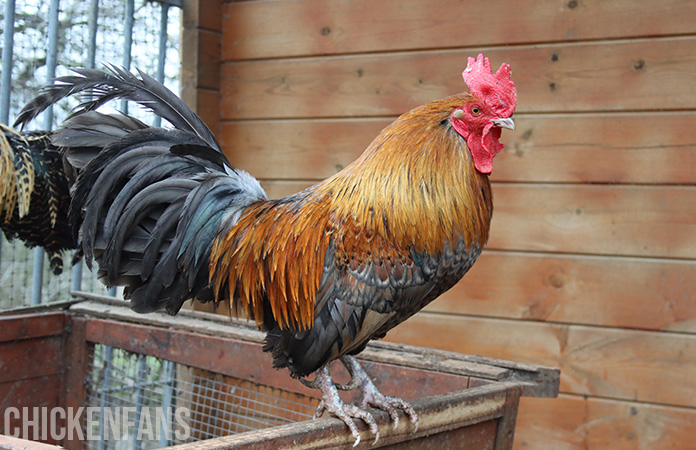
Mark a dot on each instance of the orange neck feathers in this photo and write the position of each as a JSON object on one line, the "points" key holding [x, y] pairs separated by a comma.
{"points": [[416, 184]]}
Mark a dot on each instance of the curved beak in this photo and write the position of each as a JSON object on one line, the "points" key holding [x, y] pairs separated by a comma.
{"points": [[504, 123]]}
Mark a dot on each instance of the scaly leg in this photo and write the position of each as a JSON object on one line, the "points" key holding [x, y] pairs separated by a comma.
{"points": [[332, 402], [371, 396]]}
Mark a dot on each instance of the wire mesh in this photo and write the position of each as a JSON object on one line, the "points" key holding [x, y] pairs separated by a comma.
{"points": [[31, 23], [16, 267], [29, 73], [214, 405]]}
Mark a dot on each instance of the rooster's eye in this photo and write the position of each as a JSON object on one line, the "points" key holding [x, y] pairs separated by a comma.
{"points": [[476, 110]]}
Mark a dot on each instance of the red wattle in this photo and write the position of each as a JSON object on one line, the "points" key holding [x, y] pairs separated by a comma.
{"points": [[484, 147]]}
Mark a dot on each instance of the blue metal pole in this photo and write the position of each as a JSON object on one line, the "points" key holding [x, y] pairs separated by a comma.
{"points": [[7, 47], [128, 43], [6, 81], [51, 63], [162, 53], [51, 55], [91, 62], [93, 25]]}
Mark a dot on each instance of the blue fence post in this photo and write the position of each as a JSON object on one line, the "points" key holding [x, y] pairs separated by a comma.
{"points": [[91, 62], [7, 47], [6, 81], [51, 63], [128, 44]]}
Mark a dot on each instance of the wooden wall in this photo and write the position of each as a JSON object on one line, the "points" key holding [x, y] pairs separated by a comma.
{"points": [[32, 373], [591, 264]]}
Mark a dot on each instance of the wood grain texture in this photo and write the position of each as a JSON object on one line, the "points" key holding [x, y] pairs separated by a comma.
{"points": [[645, 148], [26, 326], [577, 289], [599, 148], [200, 59], [625, 76], [40, 392], [594, 361], [208, 106], [593, 239], [208, 62], [21, 361], [193, 349], [10, 443], [78, 356], [575, 423], [318, 27], [595, 219]]}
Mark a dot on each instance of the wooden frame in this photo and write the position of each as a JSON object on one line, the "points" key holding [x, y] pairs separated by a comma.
{"points": [[471, 401]]}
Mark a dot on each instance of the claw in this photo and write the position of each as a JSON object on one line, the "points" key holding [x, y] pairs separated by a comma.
{"points": [[331, 402], [371, 397]]}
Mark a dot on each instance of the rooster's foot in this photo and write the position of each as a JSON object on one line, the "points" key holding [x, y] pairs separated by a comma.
{"points": [[371, 396], [333, 403]]}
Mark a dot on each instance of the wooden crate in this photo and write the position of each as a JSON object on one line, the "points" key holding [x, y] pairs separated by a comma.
{"points": [[462, 401]]}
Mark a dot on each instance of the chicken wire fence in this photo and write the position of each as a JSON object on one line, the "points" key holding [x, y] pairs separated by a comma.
{"points": [[43, 39], [143, 402]]}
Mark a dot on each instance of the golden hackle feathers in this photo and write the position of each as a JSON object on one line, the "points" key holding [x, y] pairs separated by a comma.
{"points": [[419, 188], [414, 189]]}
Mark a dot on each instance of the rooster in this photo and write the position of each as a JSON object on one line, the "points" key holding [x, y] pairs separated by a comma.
{"points": [[323, 271], [34, 196]]}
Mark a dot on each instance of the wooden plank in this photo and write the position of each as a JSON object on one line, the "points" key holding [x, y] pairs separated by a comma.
{"points": [[607, 291], [202, 14], [598, 148], [208, 107], [643, 221], [624, 76], [318, 27], [383, 356], [387, 357], [205, 352], [481, 436], [535, 381], [595, 219], [612, 363], [10, 443], [208, 62], [578, 423], [298, 149], [30, 326], [75, 371], [196, 350], [39, 392], [506, 425], [436, 415], [31, 358], [200, 58]]}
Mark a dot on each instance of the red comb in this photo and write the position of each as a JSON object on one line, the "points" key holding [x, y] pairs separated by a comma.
{"points": [[497, 89]]}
